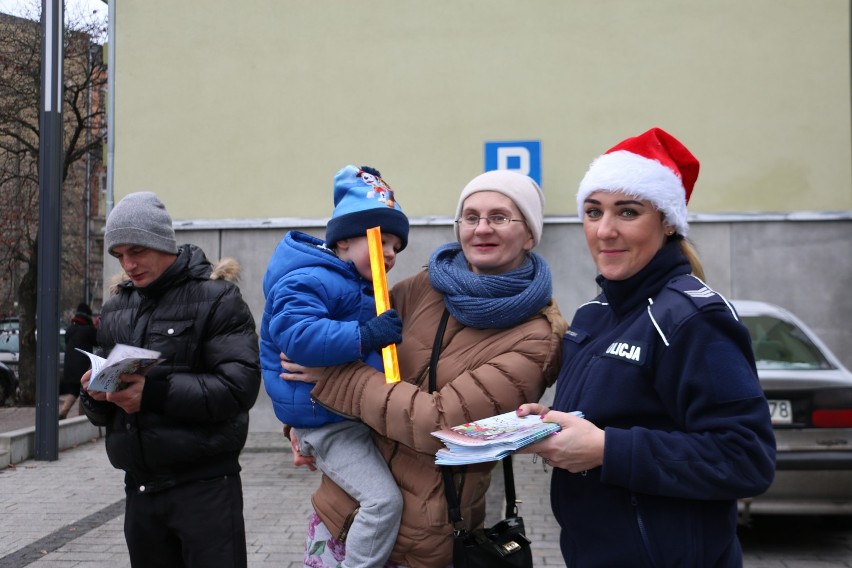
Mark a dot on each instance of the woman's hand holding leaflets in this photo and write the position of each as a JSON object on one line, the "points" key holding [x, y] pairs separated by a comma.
{"points": [[577, 447]]}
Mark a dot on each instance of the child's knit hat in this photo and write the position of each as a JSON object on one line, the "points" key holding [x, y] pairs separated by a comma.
{"points": [[363, 200]]}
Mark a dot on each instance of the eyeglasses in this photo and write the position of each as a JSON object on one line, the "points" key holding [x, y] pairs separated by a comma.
{"points": [[496, 220]]}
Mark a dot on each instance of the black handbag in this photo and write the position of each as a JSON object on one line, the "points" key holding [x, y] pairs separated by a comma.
{"points": [[503, 545]]}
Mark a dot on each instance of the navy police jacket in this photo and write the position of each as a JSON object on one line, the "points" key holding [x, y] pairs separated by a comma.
{"points": [[663, 365]]}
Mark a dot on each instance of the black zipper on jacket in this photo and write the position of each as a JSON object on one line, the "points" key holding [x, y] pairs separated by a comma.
{"points": [[643, 531], [315, 402]]}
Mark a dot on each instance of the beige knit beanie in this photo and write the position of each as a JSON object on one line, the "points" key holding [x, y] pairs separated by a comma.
{"points": [[521, 189]]}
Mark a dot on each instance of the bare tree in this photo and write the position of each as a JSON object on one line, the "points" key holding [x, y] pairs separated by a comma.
{"points": [[84, 134]]}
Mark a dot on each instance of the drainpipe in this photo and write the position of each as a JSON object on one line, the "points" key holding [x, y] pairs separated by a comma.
{"points": [[110, 105]]}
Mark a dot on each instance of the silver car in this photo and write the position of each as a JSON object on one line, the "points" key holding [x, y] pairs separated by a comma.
{"points": [[10, 354], [810, 399]]}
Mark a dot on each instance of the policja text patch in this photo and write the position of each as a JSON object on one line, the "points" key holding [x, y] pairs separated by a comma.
{"points": [[630, 351]]}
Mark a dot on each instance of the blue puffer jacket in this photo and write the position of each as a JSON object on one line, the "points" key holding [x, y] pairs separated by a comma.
{"points": [[662, 364], [315, 304]]}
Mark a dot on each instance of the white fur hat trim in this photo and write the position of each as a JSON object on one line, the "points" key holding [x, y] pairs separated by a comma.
{"points": [[639, 177]]}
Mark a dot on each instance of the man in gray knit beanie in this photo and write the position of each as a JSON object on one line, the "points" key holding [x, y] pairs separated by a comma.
{"points": [[176, 429], [140, 219]]}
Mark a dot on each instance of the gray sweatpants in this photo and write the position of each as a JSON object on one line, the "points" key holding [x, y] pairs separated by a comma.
{"points": [[345, 452]]}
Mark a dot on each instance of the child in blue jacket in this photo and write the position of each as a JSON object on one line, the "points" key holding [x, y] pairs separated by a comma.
{"points": [[320, 311]]}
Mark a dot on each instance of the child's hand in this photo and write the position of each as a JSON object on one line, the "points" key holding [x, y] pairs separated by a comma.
{"points": [[381, 331], [298, 459]]}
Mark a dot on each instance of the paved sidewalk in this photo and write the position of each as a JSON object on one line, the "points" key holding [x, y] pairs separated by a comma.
{"points": [[69, 513]]}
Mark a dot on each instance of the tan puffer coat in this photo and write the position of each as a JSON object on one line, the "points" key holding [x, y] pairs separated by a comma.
{"points": [[480, 373]]}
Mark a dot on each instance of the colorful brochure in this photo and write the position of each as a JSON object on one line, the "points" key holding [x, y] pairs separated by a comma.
{"points": [[122, 360], [491, 439]]}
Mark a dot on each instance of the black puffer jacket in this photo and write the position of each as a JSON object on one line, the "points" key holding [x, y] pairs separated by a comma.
{"points": [[194, 416], [81, 334]]}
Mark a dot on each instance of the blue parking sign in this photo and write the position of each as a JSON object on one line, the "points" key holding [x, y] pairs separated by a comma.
{"points": [[523, 156]]}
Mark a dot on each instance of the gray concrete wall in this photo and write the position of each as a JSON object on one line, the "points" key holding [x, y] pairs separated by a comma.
{"points": [[802, 262]]}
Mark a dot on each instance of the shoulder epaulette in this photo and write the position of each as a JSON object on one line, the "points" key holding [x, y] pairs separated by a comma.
{"points": [[668, 313], [696, 291]]}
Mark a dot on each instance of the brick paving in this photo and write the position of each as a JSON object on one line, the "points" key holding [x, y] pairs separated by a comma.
{"points": [[69, 513]]}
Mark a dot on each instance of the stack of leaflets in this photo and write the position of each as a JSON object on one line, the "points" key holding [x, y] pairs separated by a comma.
{"points": [[491, 439], [122, 360]]}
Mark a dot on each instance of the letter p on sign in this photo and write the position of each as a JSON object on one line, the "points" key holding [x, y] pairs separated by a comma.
{"points": [[522, 156]]}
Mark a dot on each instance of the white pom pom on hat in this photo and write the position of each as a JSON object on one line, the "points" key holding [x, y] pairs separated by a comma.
{"points": [[653, 165]]}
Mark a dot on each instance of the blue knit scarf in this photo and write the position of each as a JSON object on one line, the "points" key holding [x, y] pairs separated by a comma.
{"points": [[489, 301]]}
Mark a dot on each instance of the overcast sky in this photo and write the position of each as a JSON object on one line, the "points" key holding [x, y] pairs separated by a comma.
{"points": [[21, 7]]}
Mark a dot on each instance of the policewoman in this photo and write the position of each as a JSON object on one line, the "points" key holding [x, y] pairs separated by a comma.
{"points": [[676, 427]]}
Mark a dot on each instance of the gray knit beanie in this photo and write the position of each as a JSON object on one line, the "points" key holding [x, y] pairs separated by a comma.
{"points": [[140, 219]]}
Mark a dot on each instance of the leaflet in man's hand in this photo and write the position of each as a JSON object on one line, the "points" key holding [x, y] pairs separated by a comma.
{"points": [[491, 439], [122, 360]]}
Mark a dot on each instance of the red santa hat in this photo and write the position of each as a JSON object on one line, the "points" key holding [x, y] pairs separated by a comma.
{"points": [[653, 166]]}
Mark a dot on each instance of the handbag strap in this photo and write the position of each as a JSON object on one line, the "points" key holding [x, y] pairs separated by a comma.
{"points": [[453, 505], [436, 350]]}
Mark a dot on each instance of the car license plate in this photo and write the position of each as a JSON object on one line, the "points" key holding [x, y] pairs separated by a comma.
{"points": [[781, 411]]}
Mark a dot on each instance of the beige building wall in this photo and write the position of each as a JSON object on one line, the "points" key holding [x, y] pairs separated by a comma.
{"points": [[239, 113], [247, 109]]}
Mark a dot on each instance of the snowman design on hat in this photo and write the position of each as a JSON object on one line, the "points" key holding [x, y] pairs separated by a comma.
{"points": [[380, 187]]}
